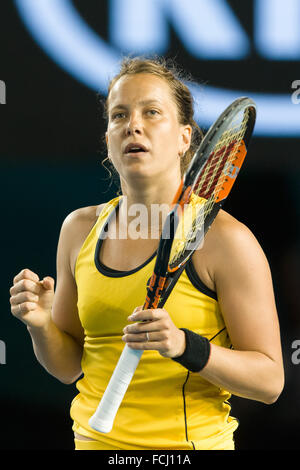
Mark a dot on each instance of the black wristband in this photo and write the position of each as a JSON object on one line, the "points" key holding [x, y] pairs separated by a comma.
{"points": [[196, 353]]}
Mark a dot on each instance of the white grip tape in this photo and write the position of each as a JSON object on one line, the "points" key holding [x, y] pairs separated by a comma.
{"points": [[103, 418]]}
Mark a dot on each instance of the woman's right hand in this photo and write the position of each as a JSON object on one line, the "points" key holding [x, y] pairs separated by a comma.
{"points": [[31, 299]]}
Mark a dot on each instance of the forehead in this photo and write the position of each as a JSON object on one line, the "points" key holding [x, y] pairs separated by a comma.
{"points": [[140, 87]]}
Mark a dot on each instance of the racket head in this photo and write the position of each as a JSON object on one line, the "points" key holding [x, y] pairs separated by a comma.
{"points": [[210, 177]]}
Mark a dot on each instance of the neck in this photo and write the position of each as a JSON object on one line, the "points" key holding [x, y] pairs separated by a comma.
{"points": [[146, 204]]}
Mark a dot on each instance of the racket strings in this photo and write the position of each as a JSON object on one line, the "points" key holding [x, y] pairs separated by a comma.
{"points": [[219, 167], [223, 155], [210, 180]]}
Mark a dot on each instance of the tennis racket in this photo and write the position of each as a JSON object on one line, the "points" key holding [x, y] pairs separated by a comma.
{"points": [[202, 192]]}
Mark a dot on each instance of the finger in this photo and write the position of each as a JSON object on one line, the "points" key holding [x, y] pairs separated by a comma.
{"points": [[47, 283], [21, 309], [24, 297], [144, 338], [146, 315], [26, 274], [149, 346], [130, 338], [25, 285], [157, 325], [138, 309]]}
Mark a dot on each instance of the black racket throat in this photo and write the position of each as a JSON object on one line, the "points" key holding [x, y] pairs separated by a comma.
{"points": [[162, 279]]}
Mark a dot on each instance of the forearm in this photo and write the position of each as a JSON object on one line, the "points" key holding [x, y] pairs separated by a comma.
{"points": [[248, 374], [57, 352]]}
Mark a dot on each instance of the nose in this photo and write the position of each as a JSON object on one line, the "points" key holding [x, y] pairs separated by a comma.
{"points": [[134, 125]]}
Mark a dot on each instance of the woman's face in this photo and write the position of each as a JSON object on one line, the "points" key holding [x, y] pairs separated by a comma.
{"points": [[144, 136]]}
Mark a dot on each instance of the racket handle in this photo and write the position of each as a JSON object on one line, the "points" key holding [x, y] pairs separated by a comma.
{"points": [[103, 418]]}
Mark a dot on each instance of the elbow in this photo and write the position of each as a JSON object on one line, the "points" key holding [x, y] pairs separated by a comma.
{"points": [[69, 380], [66, 381], [274, 393], [271, 399], [274, 383]]}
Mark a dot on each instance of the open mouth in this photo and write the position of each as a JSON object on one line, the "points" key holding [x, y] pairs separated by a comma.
{"points": [[133, 149]]}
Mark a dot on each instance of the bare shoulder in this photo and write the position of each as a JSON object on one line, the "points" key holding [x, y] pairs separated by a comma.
{"points": [[237, 251], [83, 215], [229, 229], [76, 227], [227, 234], [80, 221], [228, 242]]}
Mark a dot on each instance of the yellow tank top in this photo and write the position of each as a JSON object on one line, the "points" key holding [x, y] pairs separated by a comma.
{"points": [[165, 406]]}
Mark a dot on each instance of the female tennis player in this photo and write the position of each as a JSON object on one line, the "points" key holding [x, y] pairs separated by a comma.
{"points": [[224, 295]]}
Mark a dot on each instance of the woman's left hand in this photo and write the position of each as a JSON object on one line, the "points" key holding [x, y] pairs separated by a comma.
{"points": [[154, 331]]}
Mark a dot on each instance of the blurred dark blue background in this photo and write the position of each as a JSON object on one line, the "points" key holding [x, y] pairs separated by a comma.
{"points": [[51, 149]]}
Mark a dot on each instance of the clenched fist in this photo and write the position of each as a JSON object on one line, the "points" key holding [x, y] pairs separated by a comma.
{"points": [[31, 299]]}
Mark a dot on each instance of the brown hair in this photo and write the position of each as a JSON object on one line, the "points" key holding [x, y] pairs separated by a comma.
{"points": [[167, 70]]}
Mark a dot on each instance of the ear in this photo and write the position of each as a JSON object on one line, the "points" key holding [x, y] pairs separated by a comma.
{"points": [[185, 138]]}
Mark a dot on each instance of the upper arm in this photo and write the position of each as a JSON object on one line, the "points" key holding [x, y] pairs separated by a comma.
{"points": [[64, 309], [245, 292]]}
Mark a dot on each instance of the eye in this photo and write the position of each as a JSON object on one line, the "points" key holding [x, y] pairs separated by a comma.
{"points": [[118, 115], [152, 112]]}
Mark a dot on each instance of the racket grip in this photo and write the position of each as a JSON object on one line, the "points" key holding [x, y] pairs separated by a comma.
{"points": [[103, 418]]}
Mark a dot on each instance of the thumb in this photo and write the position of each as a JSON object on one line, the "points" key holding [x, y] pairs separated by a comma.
{"points": [[48, 283]]}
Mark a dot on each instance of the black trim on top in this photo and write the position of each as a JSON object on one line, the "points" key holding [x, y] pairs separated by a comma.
{"points": [[105, 270], [223, 329], [184, 407], [184, 411], [196, 281]]}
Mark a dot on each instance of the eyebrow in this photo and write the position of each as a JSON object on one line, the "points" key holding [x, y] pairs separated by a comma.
{"points": [[142, 103]]}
